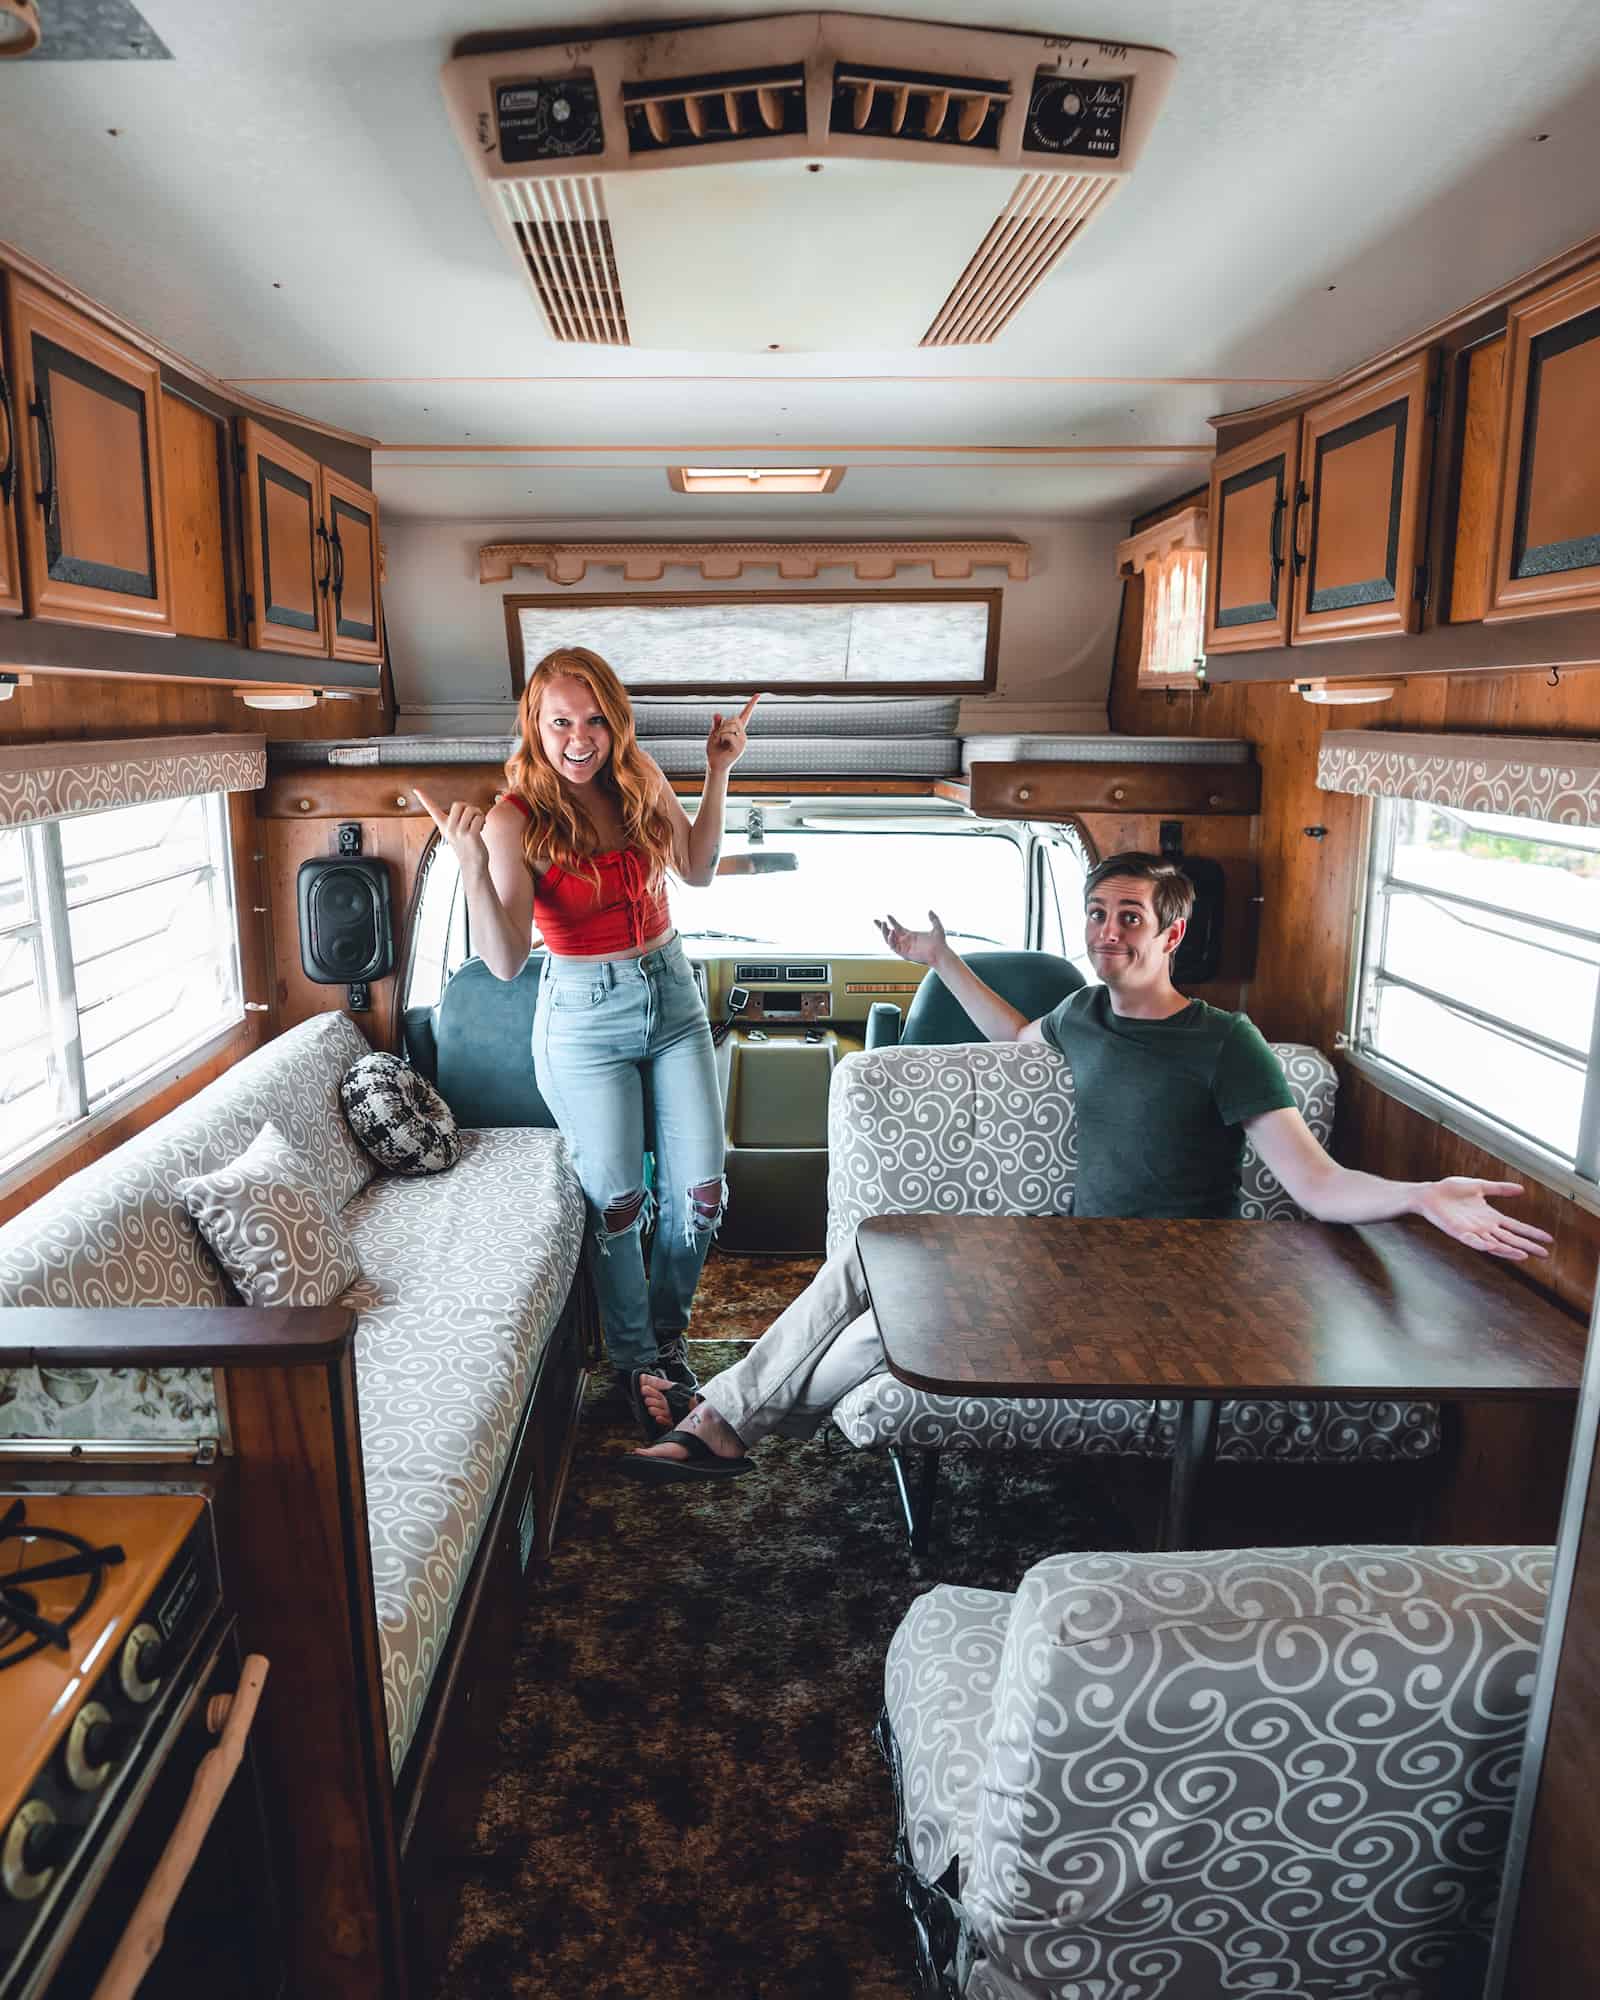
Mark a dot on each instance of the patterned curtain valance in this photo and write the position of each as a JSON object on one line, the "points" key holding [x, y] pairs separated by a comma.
{"points": [[1533, 777], [53, 780]]}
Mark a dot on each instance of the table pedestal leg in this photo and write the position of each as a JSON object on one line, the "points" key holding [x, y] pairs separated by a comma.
{"points": [[1197, 1433]]}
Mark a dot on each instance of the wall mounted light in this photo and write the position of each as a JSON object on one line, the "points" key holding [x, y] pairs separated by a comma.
{"points": [[1345, 694], [19, 28], [9, 683], [277, 697]]}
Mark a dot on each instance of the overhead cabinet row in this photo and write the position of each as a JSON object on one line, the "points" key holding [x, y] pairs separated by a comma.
{"points": [[117, 503], [1318, 526]]}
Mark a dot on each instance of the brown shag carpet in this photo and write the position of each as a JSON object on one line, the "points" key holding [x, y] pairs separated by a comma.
{"points": [[689, 1803]]}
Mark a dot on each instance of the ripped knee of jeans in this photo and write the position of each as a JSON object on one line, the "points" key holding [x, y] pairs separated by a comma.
{"points": [[622, 1214], [708, 1201]]}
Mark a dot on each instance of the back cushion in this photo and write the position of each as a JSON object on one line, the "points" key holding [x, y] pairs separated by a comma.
{"points": [[989, 1128]]}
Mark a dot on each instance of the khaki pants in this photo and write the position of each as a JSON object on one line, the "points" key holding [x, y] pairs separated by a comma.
{"points": [[813, 1353]]}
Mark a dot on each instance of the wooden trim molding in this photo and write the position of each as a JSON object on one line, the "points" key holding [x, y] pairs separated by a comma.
{"points": [[40, 781], [723, 562], [1184, 530]]}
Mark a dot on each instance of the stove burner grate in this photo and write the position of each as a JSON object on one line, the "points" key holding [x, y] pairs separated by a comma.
{"points": [[24, 1630]]}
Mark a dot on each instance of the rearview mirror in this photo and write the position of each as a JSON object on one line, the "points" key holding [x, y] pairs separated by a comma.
{"points": [[775, 861]]}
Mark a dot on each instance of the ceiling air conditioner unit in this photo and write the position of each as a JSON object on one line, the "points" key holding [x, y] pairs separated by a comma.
{"points": [[804, 182]]}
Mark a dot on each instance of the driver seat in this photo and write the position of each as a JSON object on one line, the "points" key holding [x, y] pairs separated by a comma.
{"points": [[1032, 981]]}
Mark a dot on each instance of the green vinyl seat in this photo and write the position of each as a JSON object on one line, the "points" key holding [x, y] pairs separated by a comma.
{"points": [[1031, 981]]}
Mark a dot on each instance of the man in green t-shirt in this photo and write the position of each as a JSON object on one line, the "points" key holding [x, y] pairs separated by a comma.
{"points": [[1167, 1091]]}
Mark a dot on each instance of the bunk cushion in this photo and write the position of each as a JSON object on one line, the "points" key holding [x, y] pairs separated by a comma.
{"points": [[398, 1117], [465, 1279], [269, 1228]]}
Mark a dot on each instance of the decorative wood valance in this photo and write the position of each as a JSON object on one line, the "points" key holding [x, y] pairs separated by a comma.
{"points": [[1532, 777], [41, 781], [722, 562]]}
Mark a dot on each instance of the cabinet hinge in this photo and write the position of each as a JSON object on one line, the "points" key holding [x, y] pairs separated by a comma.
{"points": [[249, 607], [1419, 587]]}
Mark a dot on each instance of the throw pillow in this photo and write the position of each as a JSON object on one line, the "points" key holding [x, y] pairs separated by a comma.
{"points": [[399, 1117], [270, 1228]]}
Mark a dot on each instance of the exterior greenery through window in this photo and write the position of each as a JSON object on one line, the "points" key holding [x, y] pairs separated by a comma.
{"points": [[118, 954], [1481, 974]]}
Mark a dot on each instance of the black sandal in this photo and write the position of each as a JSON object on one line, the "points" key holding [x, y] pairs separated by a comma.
{"points": [[681, 1399], [702, 1463]]}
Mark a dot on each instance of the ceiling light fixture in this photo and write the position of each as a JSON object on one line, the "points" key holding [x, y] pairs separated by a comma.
{"points": [[763, 479], [1345, 694], [277, 697], [19, 28]]}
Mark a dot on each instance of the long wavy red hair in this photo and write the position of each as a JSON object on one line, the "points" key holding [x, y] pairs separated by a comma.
{"points": [[559, 830]]}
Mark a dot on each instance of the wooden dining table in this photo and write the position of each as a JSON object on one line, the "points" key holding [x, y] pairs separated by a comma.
{"points": [[1202, 1311]]}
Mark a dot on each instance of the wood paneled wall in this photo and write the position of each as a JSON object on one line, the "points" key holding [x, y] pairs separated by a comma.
{"points": [[1308, 889]]}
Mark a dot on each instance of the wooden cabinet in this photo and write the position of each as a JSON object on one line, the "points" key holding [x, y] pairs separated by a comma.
{"points": [[1547, 531], [10, 480], [311, 553], [198, 517], [1247, 596], [1365, 457], [88, 408]]}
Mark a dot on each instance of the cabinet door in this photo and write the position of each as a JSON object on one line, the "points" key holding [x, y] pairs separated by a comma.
{"points": [[1547, 539], [1247, 596], [288, 556], [198, 480], [10, 483], [1364, 464], [352, 515], [93, 525]]}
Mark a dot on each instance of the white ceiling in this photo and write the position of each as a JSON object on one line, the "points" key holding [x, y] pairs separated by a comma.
{"points": [[285, 203]]}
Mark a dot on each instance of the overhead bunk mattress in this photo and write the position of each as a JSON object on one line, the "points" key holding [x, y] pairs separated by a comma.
{"points": [[1105, 749]]}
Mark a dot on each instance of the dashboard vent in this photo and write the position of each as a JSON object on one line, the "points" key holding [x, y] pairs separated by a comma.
{"points": [[691, 111], [806, 975], [752, 975], [566, 244], [1022, 248]]}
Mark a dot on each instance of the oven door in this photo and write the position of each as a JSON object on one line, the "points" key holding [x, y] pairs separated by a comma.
{"points": [[222, 1938]]}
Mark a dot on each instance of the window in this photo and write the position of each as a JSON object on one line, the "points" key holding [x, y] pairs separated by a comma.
{"points": [[1480, 976], [118, 953], [439, 932], [790, 641], [1062, 867]]}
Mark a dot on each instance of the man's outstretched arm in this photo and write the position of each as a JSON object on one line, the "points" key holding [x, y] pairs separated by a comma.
{"points": [[997, 1018], [1458, 1206]]}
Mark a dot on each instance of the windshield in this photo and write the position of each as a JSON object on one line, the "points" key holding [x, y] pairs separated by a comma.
{"points": [[842, 880]]}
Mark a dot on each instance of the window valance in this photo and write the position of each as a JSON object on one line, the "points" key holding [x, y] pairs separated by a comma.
{"points": [[41, 781], [1532, 777]]}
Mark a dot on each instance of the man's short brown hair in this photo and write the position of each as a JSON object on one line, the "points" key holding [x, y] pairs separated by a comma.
{"points": [[1173, 894]]}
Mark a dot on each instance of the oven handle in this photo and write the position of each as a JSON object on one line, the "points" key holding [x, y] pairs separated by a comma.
{"points": [[229, 1717]]}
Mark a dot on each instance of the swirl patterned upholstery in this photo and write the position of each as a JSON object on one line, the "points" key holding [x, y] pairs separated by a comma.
{"points": [[987, 1128], [1263, 1771], [464, 1276]]}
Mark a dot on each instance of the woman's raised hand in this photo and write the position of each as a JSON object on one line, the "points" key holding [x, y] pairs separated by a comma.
{"points": [[725, 742], [921, 947], [462, 826]]}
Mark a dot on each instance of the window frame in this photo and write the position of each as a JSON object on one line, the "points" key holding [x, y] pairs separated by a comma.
{"points": [[518, 601], [1479, 1128], [57, 973]]}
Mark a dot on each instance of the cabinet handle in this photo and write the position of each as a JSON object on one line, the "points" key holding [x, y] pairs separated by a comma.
{"points": [[338, 569], [9, 468], [39, 410], [1301, 496], [326, 548], [1280, 508]]}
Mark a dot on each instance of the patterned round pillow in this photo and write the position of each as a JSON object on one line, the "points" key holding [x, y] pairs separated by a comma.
{"points": [[398, 1116]]}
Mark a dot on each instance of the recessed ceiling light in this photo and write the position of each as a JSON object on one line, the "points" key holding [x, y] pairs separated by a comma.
{"points": [[19, 27], [277, 697], [754, 478], [1345, 694]]}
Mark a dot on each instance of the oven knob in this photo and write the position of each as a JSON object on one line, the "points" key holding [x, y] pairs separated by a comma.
{"points": [[140, 1670], [91, 1747], [32, 1847]]}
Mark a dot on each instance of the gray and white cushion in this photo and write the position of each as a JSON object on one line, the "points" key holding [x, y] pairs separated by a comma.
{"points": [[398, 1117], [981, 1128], [269, 1227], [1268, 1770]]}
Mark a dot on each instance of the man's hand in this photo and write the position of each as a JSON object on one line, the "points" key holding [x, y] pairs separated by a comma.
{"points": [[462, 826], [920, 947], [725, 744], [1460, 1207]]}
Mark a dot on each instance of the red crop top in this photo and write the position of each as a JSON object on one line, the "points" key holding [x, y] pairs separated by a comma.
{"points": [[577, 920]]}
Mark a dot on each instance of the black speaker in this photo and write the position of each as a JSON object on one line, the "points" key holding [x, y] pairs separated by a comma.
{"points": [[346, 929], [1200, 951]]}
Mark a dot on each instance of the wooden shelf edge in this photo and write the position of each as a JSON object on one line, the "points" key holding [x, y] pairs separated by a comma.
{"points": [[1564, 640], [44, 647], [173, 1337]]}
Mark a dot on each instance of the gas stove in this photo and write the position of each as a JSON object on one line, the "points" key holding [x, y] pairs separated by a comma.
{"points": [[110, 1616]]}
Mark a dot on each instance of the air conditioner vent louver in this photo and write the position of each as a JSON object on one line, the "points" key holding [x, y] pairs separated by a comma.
{"points": [[918, 106], [713, 110], [1022, 247], [566, 241]]}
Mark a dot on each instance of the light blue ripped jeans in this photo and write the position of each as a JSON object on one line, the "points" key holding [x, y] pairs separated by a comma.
{"points": [[622, 1053]]}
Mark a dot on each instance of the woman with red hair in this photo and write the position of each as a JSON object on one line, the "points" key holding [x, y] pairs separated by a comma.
{"points": [[581, 843]]}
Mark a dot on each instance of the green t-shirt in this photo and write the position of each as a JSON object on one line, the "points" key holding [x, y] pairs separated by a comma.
{"points": [[1160, 1104]]}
